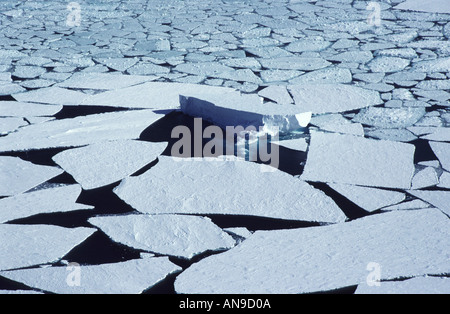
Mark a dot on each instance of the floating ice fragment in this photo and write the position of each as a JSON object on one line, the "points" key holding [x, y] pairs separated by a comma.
{"points": [[326, 258], [439, 199], [432, 6], [175, 235], [20, 109], [332, 98], [29, 245], [52, 95], [390, 117], [294, 63], [442, 151], [415, 204], [397, 135], [278, 94], [239, 231], [80, 131], [130, 277], [299, 144], [59, 199], [103, 81], [348, 159], [388, 64], [104, 163], [369, 199], [444, 180], [425, 178], [8, 125], [236, 188], [18, 176], [324, 76]]}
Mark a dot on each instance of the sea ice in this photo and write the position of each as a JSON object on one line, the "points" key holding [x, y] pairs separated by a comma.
{"points": [[419, 285], [236, 188], [104, 163], [369, 199], [52, 200], [21, 109], [103, 81], [278, 94], [130, 277], [388, 64], [425, 178], [29, 245], [52, 95], [18, 176], [433, 66], [8, 125], [332, 98], [326, 258], [324, 76], [294, 63], [175, 235], [154, 95], [442, 151], [347, 159], [397, 135], [439, 199], [239, 231], [390, 117], [415, 204], [432, 6], [299, 144], [80, 131], [444, 180]]}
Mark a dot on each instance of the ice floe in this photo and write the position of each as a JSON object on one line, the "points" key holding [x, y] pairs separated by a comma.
{"points": [[236, 188], [18, 176], [438, 135], [433, 6], [390, 117], [80, 131], [410, 205], [21, 109], [104, 163], [37, 244], [103, 81], [175, 235], [52, 95], [425, 178], [369, 199], [51, 200], [8, 125], [442, 151], [439, 199], [326, 258], [332, 98], [444, 180], [347, 159], [129, 277], [419, 285]]}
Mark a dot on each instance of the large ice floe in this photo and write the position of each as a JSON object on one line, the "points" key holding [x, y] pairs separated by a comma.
{"points": [[217, 186], [80, 131], [175, 235], [50, 200], [347, 159], [130, 277], [104, 163], [326, 258], [30, 245], [18, 176]]}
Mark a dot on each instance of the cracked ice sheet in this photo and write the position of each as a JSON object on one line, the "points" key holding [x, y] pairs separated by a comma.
{"points": [[245, 110], [18, 176], [52, 95], [326, 258], [332, 98], [60, 199], [8, 125], [431, 6], [439, 199], [175, 235], [104, 81], [154, 95], [236, 188], [80, 131], [347, 159], [438, 135], [442, 152], [390, 117], [29, 245], [130, 277], [104, 163], [20, 109], [369, 199], [419, 285]]}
